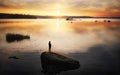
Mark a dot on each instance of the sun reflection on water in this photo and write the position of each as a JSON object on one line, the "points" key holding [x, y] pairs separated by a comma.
{"points": [[58, 24]]}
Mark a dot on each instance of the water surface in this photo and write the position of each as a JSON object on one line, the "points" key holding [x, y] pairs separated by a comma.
{"points": [[94, 44]]}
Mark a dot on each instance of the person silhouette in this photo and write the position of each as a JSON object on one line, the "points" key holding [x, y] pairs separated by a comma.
{"points": [[50, 45]]}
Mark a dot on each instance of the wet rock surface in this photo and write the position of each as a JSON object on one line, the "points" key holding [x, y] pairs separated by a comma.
{"points": [[53, 63]]}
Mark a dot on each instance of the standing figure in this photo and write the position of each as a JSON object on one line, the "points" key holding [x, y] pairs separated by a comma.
{"points": [[50, 45]]}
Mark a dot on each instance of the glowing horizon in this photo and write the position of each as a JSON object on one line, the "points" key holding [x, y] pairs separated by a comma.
{"points": [[65, 7]]}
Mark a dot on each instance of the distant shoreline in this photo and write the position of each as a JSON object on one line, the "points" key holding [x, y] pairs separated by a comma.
{"points": [[21, 16]]}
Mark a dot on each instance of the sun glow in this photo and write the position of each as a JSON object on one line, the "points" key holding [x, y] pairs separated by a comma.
{"points": [[58, 13]]}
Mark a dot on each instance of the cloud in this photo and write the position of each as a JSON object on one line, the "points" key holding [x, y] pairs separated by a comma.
{"points": [[114, 4], [24, 3], [97, 4]]}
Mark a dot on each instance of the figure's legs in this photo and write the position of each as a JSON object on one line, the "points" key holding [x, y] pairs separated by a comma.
{"points": [[49, 49]]}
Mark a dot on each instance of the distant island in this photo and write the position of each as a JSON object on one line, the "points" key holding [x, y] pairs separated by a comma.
{"points": [[24, 16], [16, 16]]}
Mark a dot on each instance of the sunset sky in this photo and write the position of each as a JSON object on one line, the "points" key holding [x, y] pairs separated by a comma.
{"points": [[62, 7]]}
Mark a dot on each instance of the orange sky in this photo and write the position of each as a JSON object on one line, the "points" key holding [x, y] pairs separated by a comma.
{"points": [[65, 7]]}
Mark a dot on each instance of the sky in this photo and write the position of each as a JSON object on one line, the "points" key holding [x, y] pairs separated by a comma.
{"points": [[62, 7]]}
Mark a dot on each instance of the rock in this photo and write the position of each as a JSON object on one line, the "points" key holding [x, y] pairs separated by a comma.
{"points": [[13, 57], [53, 63], [15, 37]]}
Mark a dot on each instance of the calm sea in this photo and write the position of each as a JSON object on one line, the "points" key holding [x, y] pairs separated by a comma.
{"points": [[93, 42]]}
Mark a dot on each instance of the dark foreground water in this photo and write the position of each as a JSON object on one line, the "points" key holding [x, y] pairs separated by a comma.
{"points": [[96, 45]]}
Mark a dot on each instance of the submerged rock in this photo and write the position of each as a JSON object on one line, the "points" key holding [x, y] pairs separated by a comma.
{"points": [[13, 57], [109, 21], [53, 63], [15, 37]]}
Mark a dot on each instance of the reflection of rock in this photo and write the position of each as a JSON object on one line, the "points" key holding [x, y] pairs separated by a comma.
{"points": [[15, 37], [53, 63]]}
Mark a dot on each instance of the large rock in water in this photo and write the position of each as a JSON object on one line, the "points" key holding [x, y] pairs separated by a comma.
{"points": [[15, 37], [53, 63]]}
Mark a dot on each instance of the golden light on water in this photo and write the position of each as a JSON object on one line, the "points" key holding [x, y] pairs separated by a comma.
{"points": [[66, 37], [62, 26], [57, 23], [58, 20]]}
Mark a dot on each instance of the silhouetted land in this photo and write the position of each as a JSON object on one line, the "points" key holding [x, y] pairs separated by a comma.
{"points": [[23, 16], [53, 63], [16, 16], [15, 37]]}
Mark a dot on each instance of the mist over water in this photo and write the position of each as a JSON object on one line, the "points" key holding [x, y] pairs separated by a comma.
{"points": [[66, 37], [94, 44]]}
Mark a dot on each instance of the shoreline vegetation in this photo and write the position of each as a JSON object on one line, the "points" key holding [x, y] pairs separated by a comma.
{"points": [[24, 16]]}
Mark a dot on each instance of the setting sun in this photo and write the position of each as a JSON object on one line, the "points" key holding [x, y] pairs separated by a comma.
{"points": [[58, 13]]}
